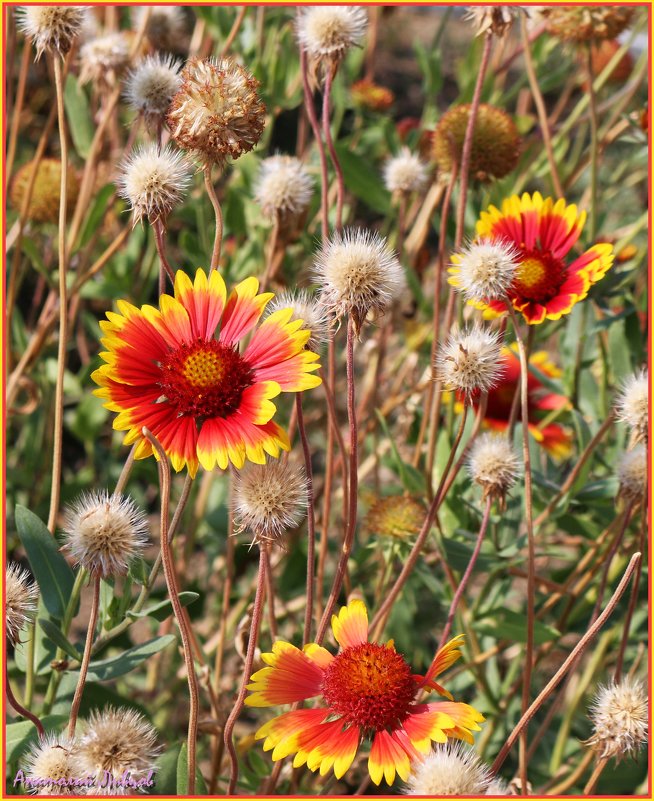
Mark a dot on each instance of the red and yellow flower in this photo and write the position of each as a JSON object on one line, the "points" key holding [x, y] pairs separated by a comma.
{"points": [[368, 691], [177, 370], [543, 232]]}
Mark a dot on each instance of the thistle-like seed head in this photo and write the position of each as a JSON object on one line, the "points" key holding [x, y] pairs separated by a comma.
{"points": [[283, 187], [495, 20], [632, 473], [51, 763], [587, 23], [150, 86], [485, 270], [21, 598], [620, 718], [405, 173], [470, 361], [493, 464], [306, 308], [104, 59], [449, 770], [326, 33], [51, 28], [166, 27], [632, 405]]}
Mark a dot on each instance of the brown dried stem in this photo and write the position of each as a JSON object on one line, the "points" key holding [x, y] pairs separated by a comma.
{"points": [[86, 658]]}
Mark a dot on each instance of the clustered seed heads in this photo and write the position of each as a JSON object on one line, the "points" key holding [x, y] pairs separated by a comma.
{"points": [[104, 533], [449, 770], [51, 28], [632, 473], [405, 173], [470, 361], [103, 59], [485, 270], [217, 112], [306, 308], [283, 187], [493, 464], [620, 718], [632, 405], [154, 182], [326, 33], [150, 86], [21, 597]]}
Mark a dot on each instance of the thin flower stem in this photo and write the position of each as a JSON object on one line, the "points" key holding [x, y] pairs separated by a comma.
{"points": [[86, 658], [218, 237], [589, 789], [594, 143], [311, 521], [633, 600], [17, 110], [164, 266], [15, 704], [340, 180], [468, 572], [236, 27], [315, 127], [270, 597], [270, 258], [573, 778], [124, 473], [571, 658], [253, 638], [625, 519]]}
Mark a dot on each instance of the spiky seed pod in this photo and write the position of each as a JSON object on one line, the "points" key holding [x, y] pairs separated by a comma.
{"points": [[283, 187], [495, 20], [587, 23], [485, 270], [51, 766], [269, 500], [51, 28], [21, 597], [306, 308], [396, 516], [494, 465], [104, 533], [166, 27], [217, 112], [449, 770], [632, 474], [495, 142], [632, 405], [405, 173], [154, 182], [371, 95], [358, 274], [104, 59], [326, 33], [44, 203], [150, 86], [115, 741], [620, 718], [470, 361]]}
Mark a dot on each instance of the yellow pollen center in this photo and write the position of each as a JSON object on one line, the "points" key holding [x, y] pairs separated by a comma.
{"points": [[530, 272], [203, 369]]}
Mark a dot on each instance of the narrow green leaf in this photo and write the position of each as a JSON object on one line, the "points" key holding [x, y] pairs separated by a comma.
{"points": [[508, 625], [55, 635], [182, 775], [97, 211], [79, 116], [107, 669], [166, 776], [164, 609], [362, 180]]}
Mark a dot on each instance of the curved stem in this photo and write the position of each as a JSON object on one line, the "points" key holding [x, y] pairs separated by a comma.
{"points": [[594, 144], [17, 110], [19, 707], [218, 237], [311, 521], [591, 784], [340, 181], [86, 658], [315, 127], [164, 266]]}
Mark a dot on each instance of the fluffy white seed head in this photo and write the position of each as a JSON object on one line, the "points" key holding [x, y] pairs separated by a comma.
{"points": [[493, 19], [619, 715], [269, 500], [104, 533], [51, 764], [632, 405], [493, 464], [51, 28], [306, 308], [405, 173], [485, 270], [283, 186], [470, 361], [117, 740], [154, 182], [165, 28], [497, 787], [150, 87], [632, 473], [328, 32], [358, 275], [103, 59], [452, 769], [21, 597]]}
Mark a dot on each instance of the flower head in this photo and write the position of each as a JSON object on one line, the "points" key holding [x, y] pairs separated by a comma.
{"points": [[51, 28], [366, 691], [405, 173], [305, 307], [165, 28], [371, 95], [495, 142], [496, 20], [51, 764], [217, 112], [115, 741], [177, 370], [587, 23], [105, 532], [632, 473], [103, 59], [44, 203], [269, 500], [450, 769], [326, 33], [358, 274], [543, 232], [632, 405], [485, 269], [397, 516], [493, 465], [150, 86], [469, 362], [620, 717], [21, 596], [283, 187], [154, 181]]}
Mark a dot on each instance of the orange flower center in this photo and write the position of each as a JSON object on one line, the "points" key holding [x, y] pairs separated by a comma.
{"points": [[370, 686], [205, 379], [539, 276]]}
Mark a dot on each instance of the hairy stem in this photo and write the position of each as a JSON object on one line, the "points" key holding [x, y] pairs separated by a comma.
{"points": [[340, 181], [218, 236], [86, 658]]}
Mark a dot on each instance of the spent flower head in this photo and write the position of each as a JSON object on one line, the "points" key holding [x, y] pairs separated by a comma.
{"points": [[396, 516], [165, 28], [305, 307], [493, 464], [485, 269], [632, 473], [495, 20], [51, 764], [451, 769], [150, 86], [44, 204], [620, 718], [470, 361], [326, 33], [283, 187], [632, 405], [103, 59], [405, 173], [587, 23], [21, 597], [51, 28]]}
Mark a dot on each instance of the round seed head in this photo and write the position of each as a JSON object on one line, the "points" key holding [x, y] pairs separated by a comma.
{"points": [[44, 203], [493, 464], [619, 715], [217, 111], [326, 33], [51, 28], [397, 516], [449, 770], [21, 598], [632, 473], [154, 182], [405, 173], [269, 500], [358, 275], [51, 765], [485, 270], [470, 361], [283, 187], [104, 533], [306, 308], [587, 23], [165, 28], [632, 405], [496, 20], [150, 87], [104, 59]]}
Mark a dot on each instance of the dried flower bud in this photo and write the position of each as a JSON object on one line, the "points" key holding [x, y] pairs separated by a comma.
{"points": [[306, 308], [495, 20], [586, 23], [150, 87], [154, 182], [269, 500], [217, 111], [371, 95], [44, 203], [405, 173], [104, 59], [495, 142], [632, 474], [21, 597], [51, 28], [470, 361], [449, 770], [397, 516], [51, 763], [484, 270], [493, 465], [326, 33], [165, 28], [283, 187], [602, 52], [620, 717], [632, 405], [104, 533], [358, 275]]}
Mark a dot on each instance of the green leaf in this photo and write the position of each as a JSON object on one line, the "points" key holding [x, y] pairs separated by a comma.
{"points": [[362, 181], [96, 213], [166, 775], [164, 609], [107, 669], [182, 775], [54, 634], [52, 572], [508, 625], [96, 696], [411, 478], [79, 116], [19, 736]]}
